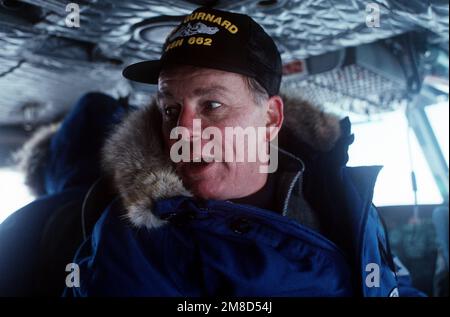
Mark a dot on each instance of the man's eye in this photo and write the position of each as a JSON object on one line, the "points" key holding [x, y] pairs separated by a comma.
{"points": [[171, 112], [213, 105]]}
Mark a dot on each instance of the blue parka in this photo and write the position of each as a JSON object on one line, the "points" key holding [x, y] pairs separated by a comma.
{"points": [[325, 237]]}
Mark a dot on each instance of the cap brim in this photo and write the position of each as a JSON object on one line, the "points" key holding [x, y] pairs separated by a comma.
{"points": [[143, 72]]}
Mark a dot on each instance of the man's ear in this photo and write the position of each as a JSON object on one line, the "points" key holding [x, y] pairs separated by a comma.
{"points": [[275, 117]]}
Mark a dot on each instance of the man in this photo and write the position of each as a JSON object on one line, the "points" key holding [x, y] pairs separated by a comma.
{"points": [[192, 219], [61, 163]]}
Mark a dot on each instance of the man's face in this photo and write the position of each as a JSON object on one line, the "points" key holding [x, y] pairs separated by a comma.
{"points": [[219, 99]]}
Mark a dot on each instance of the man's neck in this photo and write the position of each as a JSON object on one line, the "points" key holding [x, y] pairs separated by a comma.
{"points": [[263, 198]]}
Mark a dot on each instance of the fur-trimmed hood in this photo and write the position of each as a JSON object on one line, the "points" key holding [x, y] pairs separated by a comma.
{"points": [[142, 173], [67, 154], [33, 156]]}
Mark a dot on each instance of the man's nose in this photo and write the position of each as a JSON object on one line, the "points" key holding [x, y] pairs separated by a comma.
{"points": [[186, 119]]}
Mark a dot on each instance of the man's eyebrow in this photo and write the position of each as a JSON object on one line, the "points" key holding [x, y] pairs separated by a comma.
{"points": [[207, 90]]}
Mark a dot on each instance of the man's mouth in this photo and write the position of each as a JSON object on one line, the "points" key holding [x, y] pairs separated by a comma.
{"points": [[196, 165]]}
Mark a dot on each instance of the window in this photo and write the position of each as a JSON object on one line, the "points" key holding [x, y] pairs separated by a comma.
{"points": [[438, 116], [384, 141], [14, 194]]}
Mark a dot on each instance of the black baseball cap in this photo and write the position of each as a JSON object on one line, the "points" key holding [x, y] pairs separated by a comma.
{"points": [[220, 40]]}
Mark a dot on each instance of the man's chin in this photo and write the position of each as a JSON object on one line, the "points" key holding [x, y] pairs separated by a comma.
{"points": [[206, 190]]}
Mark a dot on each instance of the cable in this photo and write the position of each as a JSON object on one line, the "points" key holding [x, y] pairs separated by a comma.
{"points": [[83, 208], [415, 217]]}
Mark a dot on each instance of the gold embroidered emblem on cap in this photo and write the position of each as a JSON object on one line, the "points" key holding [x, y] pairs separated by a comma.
{"points": [[230, 27]]}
